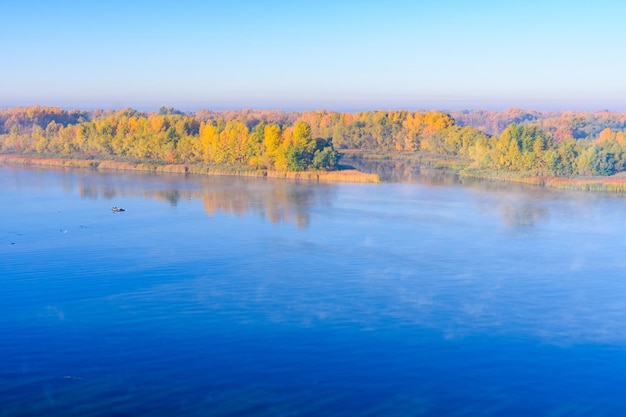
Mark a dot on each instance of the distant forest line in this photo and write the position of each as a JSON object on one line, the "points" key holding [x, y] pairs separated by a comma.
{"points": [[562, 144]]}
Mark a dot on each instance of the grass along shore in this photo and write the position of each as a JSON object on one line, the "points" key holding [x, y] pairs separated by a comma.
{"points": [[611, 184], [345, 175]]}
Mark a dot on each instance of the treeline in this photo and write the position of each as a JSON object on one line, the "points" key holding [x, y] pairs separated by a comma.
{"points": [[25, 118], [262, 139], [559, 125], [432, 131], [520, 148], [561, 144], [527, 149], [551, 144], [166, 136]]}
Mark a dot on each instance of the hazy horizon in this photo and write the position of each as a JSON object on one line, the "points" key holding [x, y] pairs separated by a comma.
{"points": [[342, 109], [343, 56]]}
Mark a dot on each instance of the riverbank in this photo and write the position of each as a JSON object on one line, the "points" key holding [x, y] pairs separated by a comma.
{"points": [[411, 158], [612, 184], [345, 175]]}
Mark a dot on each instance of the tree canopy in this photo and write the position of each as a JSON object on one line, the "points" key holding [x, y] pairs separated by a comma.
{"points": [[558, 144]]}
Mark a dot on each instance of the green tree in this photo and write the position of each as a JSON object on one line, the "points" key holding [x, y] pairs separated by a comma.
{"points": [[326, 159]]}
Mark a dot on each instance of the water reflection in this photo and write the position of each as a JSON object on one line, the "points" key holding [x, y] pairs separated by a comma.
{"points": [[278, 201], [408, 173], [517, 205], [522, 216], [283, 203]]}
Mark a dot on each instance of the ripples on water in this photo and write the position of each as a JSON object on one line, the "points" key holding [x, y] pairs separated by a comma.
{"points": [[229, 296]]}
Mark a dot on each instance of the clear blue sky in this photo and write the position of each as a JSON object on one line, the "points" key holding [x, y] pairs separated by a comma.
{"points": [[343, 55]]}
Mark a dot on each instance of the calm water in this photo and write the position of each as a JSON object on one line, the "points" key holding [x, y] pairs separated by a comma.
{"points": [[245, 297]]}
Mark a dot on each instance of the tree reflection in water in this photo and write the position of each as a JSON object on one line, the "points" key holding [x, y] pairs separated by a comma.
{"points": [[278, 201]]}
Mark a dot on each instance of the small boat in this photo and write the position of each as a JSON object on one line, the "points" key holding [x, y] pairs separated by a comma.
{"points": [[116, 209]]}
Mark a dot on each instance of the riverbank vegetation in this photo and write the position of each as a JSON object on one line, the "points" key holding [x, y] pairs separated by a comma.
{"points": [[166, 138], [532, 147]]}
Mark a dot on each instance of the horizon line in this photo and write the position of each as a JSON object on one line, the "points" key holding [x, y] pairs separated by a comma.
{"points": [[297, 109]]}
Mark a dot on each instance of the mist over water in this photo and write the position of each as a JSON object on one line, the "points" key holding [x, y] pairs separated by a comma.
{"points": [[236, 296]]}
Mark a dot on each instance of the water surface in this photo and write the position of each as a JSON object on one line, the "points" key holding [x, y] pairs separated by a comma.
{"points": [[225, 296]]}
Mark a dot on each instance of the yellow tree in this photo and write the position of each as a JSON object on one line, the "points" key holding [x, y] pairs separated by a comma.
{"points": [[412, 127], [606, 134], [209, 138], [271, 144], [301, 134], [156, 123], [281, 162], [236, 141]]}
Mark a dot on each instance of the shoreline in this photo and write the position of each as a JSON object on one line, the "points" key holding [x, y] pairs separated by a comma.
{"points": [[613, 184], [347, 175]]}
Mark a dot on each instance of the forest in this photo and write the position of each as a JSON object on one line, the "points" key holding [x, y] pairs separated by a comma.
{"points": [[167, 136], [559, 144]]}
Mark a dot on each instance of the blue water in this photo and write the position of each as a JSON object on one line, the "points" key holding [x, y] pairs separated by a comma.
{"points": [[224, 296]]}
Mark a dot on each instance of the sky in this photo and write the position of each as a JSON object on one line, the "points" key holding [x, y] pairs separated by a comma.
{"points": [[305, 55]]}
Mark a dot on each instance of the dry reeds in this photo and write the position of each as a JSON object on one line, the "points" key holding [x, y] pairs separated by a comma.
{"points": [[323, 176], [609, 184], [350, 175], [613, 184], [43, 161]]}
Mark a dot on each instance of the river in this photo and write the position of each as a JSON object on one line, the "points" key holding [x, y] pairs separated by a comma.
{"points": [[227, 296]]}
